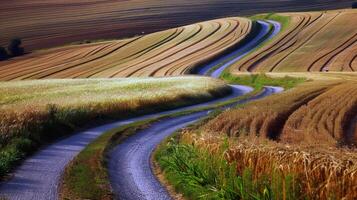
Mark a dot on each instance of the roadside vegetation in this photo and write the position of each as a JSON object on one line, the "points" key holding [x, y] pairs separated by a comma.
{"points": [[55, 108], [259, 80], [295, 145]]}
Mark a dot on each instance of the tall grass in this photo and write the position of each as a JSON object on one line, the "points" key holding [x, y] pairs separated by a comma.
{"points": [[233, 148], [202, 173], [56, 108]]}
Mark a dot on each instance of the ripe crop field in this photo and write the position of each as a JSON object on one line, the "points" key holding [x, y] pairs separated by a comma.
{"points": [[292, 144], [172, 52], [58, 22], [54, 108], [312, 41]]}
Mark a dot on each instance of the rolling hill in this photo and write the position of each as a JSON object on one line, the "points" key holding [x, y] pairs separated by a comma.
{"points": [[54, 23], [311, 41], [171, 52]]}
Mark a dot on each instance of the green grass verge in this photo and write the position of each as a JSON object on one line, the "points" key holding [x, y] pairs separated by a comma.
{"points": [[258, 81], [79, 182], [283, 20], [200, 174], [86, 177]]}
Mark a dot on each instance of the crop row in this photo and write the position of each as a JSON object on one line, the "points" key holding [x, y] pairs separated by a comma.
{"points": [[318, 113], [54, 23], [172, 52], [313, 41], [292, 142]]}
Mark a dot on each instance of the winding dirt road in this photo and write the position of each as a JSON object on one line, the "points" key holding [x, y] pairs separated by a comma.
{"points": [[129, 166], [39, 176]]}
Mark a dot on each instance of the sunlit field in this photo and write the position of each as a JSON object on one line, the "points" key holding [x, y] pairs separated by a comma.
{"points": [[35, 112]]}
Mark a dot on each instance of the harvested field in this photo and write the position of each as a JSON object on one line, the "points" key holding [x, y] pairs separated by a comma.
{"points": [[54, 23], [312, 41], [172, 52]]}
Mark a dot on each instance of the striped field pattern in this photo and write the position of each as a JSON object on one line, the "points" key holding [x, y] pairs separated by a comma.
{"points": [[172, 52], [313, 41], [61, 22]]}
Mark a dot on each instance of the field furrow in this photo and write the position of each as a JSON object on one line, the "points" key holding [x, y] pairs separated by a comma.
{"points": [[325, 119], [170, 52], [310, 41]]}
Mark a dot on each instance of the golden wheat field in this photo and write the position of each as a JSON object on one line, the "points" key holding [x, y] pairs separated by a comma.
{"points": [[312, 41], [171, 52], [55, 23]]}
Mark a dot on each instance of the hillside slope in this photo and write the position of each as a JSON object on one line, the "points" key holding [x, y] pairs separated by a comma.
{"points": [[313, 41], [54, 23], [171, 52]]}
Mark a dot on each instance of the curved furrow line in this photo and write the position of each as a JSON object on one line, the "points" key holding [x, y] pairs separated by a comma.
{"points": [[238, 35], [148, 45], [99, 68], [104, 56], [212, 50], [285, 44], [49, 72], [208, 43], [186, 69], [28, 65], [247, 65], [334, 53], [44, 69], [324, 119], [346, 44], [304, 39], [215, 28], [347, 63], [173, 56], [246, 62], [56, 69], [344, 60], [182, 39], [236, 55]]}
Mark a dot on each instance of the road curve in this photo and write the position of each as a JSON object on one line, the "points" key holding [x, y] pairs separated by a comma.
{"points": [[129, 165], [39, 176], [231, 58]]}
